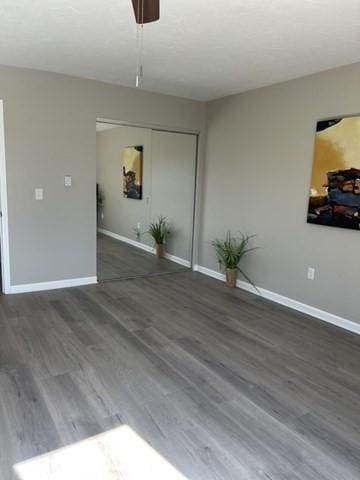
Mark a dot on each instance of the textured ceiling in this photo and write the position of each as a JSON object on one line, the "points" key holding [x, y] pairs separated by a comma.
{"points": [[201, 49]]}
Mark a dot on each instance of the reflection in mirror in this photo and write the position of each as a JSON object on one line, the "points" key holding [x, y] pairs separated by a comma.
{"points": [[132, 172], [152, 235]]}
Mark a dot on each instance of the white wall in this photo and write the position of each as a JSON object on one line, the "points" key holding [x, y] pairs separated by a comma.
{"points": [[49, 132], [259, 156]]}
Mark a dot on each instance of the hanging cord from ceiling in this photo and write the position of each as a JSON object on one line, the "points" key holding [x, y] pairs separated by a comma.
{"points": [[139, 45]]}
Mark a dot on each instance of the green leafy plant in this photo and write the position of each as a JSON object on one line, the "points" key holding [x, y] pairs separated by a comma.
{"points": [[230, 251], [160, 230]]}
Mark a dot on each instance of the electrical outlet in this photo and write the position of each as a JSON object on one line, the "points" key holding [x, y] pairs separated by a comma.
{"points": [[67, 181], [311, 273], [138, 226]]}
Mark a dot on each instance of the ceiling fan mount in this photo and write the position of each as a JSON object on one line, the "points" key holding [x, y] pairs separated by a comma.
{"points": [[146, 11]]}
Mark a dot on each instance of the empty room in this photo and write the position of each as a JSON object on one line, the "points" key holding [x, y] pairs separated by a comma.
{"points": [[180, 227]]}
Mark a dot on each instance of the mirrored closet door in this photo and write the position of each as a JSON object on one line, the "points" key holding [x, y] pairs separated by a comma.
{"points": [[145, 201]]}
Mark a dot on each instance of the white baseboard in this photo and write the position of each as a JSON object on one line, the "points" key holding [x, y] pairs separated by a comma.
{"points": [[286, 301], [142, 246], [134, 243], [37, 287], [209, 272], [180, 261]]}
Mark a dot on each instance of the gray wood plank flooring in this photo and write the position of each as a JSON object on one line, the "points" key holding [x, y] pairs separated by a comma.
{"points": [[223, 384], [116, 259]]}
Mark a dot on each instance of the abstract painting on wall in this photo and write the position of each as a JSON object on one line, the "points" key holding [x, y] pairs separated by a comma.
{"points": [[132, 172], [335, 183]]}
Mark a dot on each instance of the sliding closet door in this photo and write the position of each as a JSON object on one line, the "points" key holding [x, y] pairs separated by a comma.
{"points": [[120, 214], [172, 186]]}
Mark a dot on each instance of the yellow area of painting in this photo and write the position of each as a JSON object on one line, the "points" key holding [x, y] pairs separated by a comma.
{"points": [[132, 161], [336, 148]]}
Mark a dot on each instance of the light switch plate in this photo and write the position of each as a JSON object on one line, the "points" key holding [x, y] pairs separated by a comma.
{"points": [[67, 181], [39, 193], [311, 273]]}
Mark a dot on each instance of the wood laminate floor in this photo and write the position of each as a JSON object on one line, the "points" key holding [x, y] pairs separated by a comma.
{"points": [[116, 259], [222, 384]]}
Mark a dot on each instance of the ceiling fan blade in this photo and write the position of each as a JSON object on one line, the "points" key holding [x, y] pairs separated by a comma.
{"points": [[146, 11]]}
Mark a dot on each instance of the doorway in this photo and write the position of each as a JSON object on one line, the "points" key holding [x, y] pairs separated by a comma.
{"points": [[144, 176], [4, 234]]}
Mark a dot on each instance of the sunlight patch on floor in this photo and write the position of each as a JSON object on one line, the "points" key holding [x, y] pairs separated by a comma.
{"points": [[114, 455]]}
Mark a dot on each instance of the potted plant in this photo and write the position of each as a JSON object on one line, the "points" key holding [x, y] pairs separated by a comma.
{"points": [[160, 231], [229, 252]]}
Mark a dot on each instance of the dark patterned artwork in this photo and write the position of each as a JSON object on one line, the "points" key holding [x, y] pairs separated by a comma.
{"points": [[334, 198], [132, 172]]}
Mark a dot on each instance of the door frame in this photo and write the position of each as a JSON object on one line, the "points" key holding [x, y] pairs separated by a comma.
{"points": [[196, 201], [150, 126], [5, 251]]}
